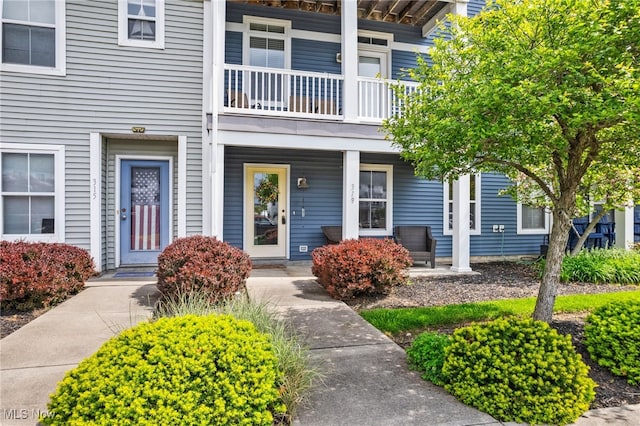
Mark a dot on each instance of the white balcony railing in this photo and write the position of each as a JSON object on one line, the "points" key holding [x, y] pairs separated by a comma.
{"points": [[290, 93]]}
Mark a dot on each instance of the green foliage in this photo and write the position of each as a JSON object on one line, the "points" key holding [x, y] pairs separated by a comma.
{"points": [[186, 370], [518, 370], [613, 338], [292, 355], [426, 354], [204, 264], [410, 319], [36, 275], [611, 266], [361, 267]]}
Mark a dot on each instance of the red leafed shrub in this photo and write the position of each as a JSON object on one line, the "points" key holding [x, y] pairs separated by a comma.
{"points": [[200, 263], [360, 267], [37, 275]]}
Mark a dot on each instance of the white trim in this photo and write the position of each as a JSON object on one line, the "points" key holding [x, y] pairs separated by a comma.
{"points": [[477, 202], [349, 52], [58, 152], [408, 47], [247, 33], [60, 42], [218, 192], [118, 166], [436, 20], [95, 198], [290, 141], [182, 188], [350, 192], [123, 27], [461, 241], [376, 34], [533, 231], [388, 231]]}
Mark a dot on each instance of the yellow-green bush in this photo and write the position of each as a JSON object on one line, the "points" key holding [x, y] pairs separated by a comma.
{"points": [[518, 370], [183, 370], [613, 339]]}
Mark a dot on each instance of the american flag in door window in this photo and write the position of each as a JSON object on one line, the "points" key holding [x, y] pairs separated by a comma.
{"points": [[145, 208]]}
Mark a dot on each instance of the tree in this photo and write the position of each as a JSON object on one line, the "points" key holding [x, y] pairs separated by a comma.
{"points": [[546, 91]]}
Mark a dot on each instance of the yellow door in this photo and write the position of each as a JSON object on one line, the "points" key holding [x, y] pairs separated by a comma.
{"points": [[265, 211]]}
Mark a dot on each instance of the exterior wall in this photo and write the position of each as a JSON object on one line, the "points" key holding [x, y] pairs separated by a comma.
{"points": [[108, 89], [416, 201]]}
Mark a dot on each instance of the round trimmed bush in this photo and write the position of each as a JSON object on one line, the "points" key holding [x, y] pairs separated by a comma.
{"points": [[518, 370], [613, 338], [367, 266], [183, 370], [203, 264], [426, 354]]}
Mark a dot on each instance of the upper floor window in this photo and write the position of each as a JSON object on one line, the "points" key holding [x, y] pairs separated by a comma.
{"points": [[32, 192], [267, 43], [376, 195], [33, 36], [141, 23], [474, 205], [532, 220]]}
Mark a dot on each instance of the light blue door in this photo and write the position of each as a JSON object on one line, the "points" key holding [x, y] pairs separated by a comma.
{"points": [[144, 210]]}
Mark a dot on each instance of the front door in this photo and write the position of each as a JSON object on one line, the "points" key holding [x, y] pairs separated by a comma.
{"points": [[373, 93], [144, 210], [265, 211]]}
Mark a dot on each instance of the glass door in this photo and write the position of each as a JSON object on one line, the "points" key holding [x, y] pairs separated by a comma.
{"points": [[373, 91]]}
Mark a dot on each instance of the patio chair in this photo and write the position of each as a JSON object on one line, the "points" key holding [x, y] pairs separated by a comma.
{"points": [[333, 234], [237, 99], [419, 241]]}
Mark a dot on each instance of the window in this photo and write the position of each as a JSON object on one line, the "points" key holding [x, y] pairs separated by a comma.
{"points": [[474, 206], [31, 188], [141, 23], [33, 36], [532, 220], [267, 43], [376, 195]]}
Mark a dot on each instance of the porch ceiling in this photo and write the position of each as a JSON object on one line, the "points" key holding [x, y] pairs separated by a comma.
{"points": [[409, 12]]}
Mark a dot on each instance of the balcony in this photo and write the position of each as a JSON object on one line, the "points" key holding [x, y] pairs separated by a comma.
{"points": [[303, 94]]}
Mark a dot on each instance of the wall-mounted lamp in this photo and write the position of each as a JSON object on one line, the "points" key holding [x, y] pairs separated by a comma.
{"points": [[209, 122], [339, 57], [302, 183]]}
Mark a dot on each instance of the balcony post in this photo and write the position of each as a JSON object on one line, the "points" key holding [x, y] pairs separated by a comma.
{"points": [[349, 54], [350, 194], [624, 220], [461, 240]]}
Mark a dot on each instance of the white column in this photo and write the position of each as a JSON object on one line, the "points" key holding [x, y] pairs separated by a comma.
{"points": [[624, 227], [459, 7], [350, 194], [350, 59], [213, 154], [95, 199], [461, 240], [182, 187]]}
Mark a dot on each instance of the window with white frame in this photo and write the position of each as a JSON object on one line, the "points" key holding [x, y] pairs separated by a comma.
{"points": [[532, 220], [474, 206], [376, 195], [33, 36], [141, 23], [267, 42], [31, 192]]}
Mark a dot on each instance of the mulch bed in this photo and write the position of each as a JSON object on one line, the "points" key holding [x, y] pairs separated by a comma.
{"points": [[507, 280]]}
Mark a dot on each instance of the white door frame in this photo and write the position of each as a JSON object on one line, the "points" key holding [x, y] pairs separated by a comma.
{"points": [[245, 225]]}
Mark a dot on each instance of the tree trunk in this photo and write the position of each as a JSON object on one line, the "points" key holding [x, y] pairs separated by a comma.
{"points": [[551, 275], [583, 238]]}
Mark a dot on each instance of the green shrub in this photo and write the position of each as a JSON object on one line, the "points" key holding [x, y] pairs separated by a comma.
{"points": [[611, 266], [184, 370], [361, 267], [518, 370], [293, 357], [426, 354], [37, 275], [613, 338], [204, 264]]}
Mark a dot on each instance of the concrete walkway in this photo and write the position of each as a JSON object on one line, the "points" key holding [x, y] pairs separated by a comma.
{"points": [[366, 379]]}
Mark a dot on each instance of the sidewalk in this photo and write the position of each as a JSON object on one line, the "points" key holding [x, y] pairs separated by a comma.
{"points": [[366, 379]]}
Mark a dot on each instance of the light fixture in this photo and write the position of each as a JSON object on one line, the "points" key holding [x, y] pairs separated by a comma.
{"points": [[209, 122], [302, 183]]}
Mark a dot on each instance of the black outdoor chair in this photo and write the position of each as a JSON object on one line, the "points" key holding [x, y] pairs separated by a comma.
{"points": [[419, 241], [333, 234]]}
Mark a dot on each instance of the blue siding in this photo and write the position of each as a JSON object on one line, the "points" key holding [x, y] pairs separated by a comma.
{"points": [[474, 7], [322, 201], [233, 48], [301, 20], [401, 61], [315, 56], [402, 33]]}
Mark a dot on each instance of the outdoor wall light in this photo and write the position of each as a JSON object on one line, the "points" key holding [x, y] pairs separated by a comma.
{"points": [[302, 183], [209, 122]]}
